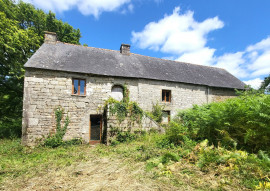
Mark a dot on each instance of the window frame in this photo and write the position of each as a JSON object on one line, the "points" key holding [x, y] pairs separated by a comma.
{"points": [[79, 86], [163, 99]]}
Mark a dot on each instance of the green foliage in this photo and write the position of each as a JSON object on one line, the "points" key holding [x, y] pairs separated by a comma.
{"points": [[125, 94], [156, 113], [136, 113], [176, 133], [265, 86], [243, 122], [167, 157], [21, 34], [56, 140], [124, 108], [123, 136], [237, 168]]}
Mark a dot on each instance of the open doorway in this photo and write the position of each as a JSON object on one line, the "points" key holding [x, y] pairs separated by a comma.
{"points": [[95, 129]]}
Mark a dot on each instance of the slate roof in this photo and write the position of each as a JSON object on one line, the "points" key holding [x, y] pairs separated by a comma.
{"points": [[74, 58]]}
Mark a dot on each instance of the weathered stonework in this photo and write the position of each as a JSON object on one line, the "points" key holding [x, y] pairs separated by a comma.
{"points": [[45, 90]]}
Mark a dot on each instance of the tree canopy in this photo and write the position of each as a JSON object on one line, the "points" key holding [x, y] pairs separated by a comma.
{"points": [[22, 29]]}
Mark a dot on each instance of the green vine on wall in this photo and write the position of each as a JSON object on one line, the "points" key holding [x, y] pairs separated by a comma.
{"points": [[125, 108], [57, 139]]}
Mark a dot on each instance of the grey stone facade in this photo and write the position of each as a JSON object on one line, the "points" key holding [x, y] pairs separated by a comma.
{"points": [[45, 90]]}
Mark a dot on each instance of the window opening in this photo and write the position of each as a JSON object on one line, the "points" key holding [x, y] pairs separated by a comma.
{"points": [[117, 92], [166, 116], [78, 87], [166, 95]]}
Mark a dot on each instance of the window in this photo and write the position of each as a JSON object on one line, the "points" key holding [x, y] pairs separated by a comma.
{"points": [[117, 92], [166, 95], [78, 87], [166, 116]]}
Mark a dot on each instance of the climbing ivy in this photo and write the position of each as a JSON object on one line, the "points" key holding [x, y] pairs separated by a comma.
{"points": [[124, 108], [125, 94], [56, 139], [136, 113]]}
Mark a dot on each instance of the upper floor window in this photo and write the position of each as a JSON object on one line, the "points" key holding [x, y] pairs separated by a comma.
{"points": [[117, 92], [166, 95], [78, 87]]}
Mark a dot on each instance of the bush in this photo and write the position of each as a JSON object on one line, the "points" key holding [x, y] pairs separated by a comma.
{"points": [[125, 136], [156, 113], [243, 122]]}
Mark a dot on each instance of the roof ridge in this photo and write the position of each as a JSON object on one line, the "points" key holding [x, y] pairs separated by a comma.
{"points": [[143, 55], [59, 42]]}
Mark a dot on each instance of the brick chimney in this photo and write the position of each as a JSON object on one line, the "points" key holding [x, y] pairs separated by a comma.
{"points": [[125, 49], [50, 37]]}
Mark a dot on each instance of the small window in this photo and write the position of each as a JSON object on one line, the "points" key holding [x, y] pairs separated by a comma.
{"points": [[166, 95], [117, 92], [166, 116], [78, 87]]}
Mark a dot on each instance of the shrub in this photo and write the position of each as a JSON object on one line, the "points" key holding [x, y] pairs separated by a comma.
{"points": [[125, 136], [243, 121], [156, 113]]}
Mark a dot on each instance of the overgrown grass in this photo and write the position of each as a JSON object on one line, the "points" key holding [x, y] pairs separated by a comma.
{"points": [[189, 165], [16, 160], [193, 163]]}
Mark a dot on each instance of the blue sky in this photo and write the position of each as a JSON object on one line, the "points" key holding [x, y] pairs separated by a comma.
{"points": [[234, 35]]}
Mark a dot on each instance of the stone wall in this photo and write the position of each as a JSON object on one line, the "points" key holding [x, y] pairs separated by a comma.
{"points": [[45, 90], [220, 94], [112, 124]]}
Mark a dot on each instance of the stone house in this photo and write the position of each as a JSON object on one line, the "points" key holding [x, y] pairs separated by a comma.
{"points": [[80, 79]]}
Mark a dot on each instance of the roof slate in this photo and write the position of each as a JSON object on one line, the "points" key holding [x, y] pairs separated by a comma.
{"points": [[73, 58]]}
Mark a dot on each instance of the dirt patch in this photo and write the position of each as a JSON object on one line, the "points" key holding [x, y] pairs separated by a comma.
{"points": [[95, 174]]}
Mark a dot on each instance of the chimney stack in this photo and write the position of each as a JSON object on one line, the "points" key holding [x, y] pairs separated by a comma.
{"points": [[125, 49], [50, 37]]}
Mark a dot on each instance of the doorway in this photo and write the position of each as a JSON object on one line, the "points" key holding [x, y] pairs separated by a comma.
{"points": [[95, 129]]}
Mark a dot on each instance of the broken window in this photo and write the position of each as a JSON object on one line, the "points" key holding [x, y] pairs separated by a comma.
{"points": [[117, 92], [166, 116], [78, 87], [166, 95]]}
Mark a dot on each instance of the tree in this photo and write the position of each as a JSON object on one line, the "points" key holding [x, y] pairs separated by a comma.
{"points": [[265, 86], [21, 34]]}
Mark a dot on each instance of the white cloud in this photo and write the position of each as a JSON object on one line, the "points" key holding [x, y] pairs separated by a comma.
{"points": [[183, 38], [262, 45], [86, 7], [261, 66], [254, 83], [232, 62], [177, 34], [204, 55]]}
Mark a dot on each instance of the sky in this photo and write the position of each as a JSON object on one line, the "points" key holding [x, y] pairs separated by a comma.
{"points": [[230, 34]]}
